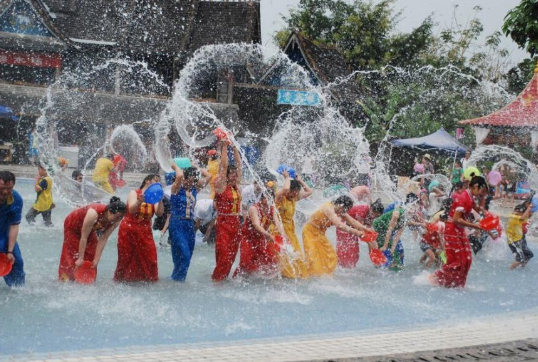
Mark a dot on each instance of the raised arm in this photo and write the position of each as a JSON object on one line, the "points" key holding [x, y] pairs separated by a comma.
{"points": [[102, 242], [179, 179], [307, 191], [203, 181], [87, 226], [220, 180], [285, 189], [239, 165]]}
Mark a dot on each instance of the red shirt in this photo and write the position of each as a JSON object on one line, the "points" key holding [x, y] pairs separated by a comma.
{"points": [[229, 201]]}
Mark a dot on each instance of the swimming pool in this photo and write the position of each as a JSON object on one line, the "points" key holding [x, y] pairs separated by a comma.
{"points": [[46, 315]]}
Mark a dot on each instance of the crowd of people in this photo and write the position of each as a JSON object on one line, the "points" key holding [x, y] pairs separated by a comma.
{"points": [[257, 223]]}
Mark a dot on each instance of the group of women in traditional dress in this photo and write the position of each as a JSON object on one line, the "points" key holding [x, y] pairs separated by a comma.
{"points": [[266, 239]]}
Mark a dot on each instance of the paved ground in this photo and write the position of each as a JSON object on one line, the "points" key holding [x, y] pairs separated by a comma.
{"points": [[507, 338]]}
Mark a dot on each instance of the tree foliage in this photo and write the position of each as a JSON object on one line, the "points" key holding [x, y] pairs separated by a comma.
{"points": [[521, 24], [363, 31]]}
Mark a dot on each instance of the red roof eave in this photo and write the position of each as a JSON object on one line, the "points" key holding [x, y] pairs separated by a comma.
{"points": [[521, 112]]}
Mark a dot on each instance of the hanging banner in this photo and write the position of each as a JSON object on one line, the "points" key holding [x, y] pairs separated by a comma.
{"points": [[460, 133], [298, 98], [31, 59]]}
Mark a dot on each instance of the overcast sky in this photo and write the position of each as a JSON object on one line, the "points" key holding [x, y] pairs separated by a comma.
{"points": [[414, 12]]}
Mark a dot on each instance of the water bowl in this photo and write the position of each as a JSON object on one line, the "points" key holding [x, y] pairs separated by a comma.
{"points": [[534, 207], [5, 265], [369, 236], [283, 168], [377, 257], [154, 194], [183, 162], [489, 222], [86, 273], [220, 134]]}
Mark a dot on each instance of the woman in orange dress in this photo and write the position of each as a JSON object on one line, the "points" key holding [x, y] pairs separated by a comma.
{"points": [[321, 257], [137, 254]]}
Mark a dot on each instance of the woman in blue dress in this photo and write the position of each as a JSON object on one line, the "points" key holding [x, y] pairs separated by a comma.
{"points": [[182, 232]]}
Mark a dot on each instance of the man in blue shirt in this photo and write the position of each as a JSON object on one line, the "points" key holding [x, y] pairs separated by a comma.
{"points": [[10, 218]]}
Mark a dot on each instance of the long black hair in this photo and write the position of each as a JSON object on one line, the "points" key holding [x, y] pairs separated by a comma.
{"points": [[480, 181], [345, 201], [116, 205], [149, 177]]}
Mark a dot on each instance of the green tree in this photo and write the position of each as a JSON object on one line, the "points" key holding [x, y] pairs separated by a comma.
{"points": [[521, 24], [519, 76], [362, 30]]}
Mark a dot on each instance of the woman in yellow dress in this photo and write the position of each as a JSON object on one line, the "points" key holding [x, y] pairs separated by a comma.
{"points": [[286, 197], [321, 257]]}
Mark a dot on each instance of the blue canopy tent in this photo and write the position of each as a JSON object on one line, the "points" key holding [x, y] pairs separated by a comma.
{"points": [[439, 141]]}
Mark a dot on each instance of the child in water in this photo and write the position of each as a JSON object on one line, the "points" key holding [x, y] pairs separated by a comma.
{"points": [[515, 233], [43, 204], [433, 243]]}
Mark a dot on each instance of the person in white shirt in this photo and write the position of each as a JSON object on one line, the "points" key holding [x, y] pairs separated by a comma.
{"points": [[465, 161], [250, 195], [204, 217]]}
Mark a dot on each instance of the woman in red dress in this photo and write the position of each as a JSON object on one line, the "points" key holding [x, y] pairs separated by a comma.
{"points": [[259, 253], [137, 254], [457, 247], [80, 235], [228, 206]]}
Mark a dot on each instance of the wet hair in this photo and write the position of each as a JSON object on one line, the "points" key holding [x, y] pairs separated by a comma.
{"points": [[458, 162], [458, 184], [7, 176], [110, 156], [295, 185], [190, 172], [231, 168], [443, 216], [480, 181], [116, 206], [410, 197], [377, 207], [149, 177], [520, 208], [345, 201], [268, 192], [76, 174], [447, 204]]}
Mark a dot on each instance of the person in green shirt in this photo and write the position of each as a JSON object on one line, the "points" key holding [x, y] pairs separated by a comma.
{"points": [[457, 174]]}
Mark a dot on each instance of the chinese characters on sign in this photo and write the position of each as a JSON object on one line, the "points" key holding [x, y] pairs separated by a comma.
{"points": [[298, 98]]}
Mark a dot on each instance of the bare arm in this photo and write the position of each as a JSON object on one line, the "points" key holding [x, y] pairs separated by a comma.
{"points": [[255, 220], [203, 181], [285, 189], [87, 226], [396, 239], [239, 165], [179, 179], [159, 208], [307, 191], [166, 224], [355, 224], [337, 222], [390, 229], [37, 188], [134, 202], [12, 239], [458, 219], [220, 180], [102, 242]]}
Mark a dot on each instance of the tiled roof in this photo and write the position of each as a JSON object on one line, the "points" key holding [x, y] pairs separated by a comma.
{"points": [[224, 23], [327, 62], [150, 26]]}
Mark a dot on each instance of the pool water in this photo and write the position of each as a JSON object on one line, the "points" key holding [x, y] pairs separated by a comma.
{"points": [[46, 315]]}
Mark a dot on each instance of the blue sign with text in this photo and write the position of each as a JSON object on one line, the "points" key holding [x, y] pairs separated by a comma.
{"points": [[298, 98]]}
